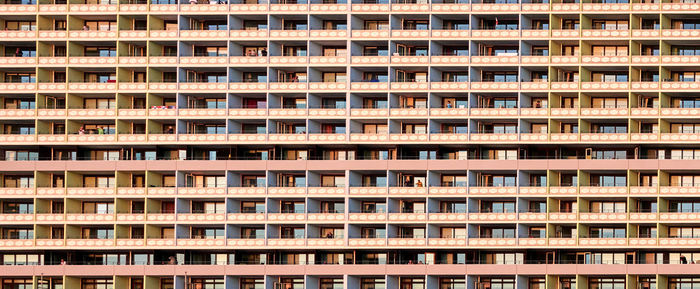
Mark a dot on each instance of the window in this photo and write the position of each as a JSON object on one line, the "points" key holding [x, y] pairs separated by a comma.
{"points": [[99, 103], [606, 283], [607, 207], [598, 232], [207, 283], [609, 154], [448, 24], [208, 207], [414, 24], [497, 207], [497, 233], [496, 283], [602, 128], [100, 25], [685, 24], [98, 208], [540, 51], [540, 24], [609, 76], [684, 283], [17, 283], [290, 283], [372, 283], [570, 24], [211, 51], [452, 283], [686, 76], [94, 51], [536, 283], [96, 284], [22, 259], [97, 233], [252, 283], [499, 76], [611, 24], [376, 25], [167, 283], [18, 181], [20, 77], [608, 181], [610, 50], [375, 129], [498, 181], [650, 283], [20, 25], [331, 283], [567, 283], [98, 181], [411, 283], [18, 233], [207, 233], [453, 232], [685, 128], [684, 232], [685, 50]]}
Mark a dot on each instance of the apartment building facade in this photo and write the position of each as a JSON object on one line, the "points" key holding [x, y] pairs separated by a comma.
{"points": [[331, 144]]}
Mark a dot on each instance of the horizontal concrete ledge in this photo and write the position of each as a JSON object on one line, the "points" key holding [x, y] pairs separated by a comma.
{"points": [[290, 270], [282, 165]]}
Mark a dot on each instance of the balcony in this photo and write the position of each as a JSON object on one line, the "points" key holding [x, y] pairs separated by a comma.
{"points": [[598, 85], [491, 137], [604, 34], [492, 190], [328, 8], [680, 85], [19, 218], [17, 87], [215, 113], [409, 60], [492, 34], [205, 9], [325, 218], [17, 113], [202, 217], [369, 34], [562, 217], [369, 8], [604, 111], [448, 138], [680, 137], [204, 60], [328, 34], [448, 34], [562, 241], [493, 242], [406, 242], [163, 34], [410, 34], [407, 217], [204, 34], [370, 86], [602, 242], [92, 34], [493, 217], [603, 190], [92, 86], [603, 217], [91, 112], [288, 34], [604, 60], [18, 34]]}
